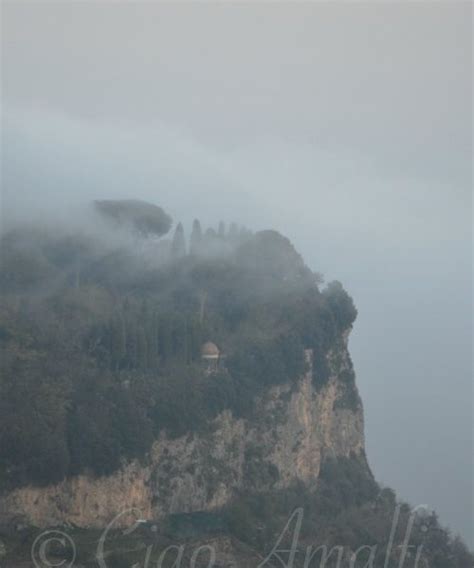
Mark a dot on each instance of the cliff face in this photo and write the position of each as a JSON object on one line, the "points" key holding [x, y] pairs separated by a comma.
{"points": [[294, 428]]}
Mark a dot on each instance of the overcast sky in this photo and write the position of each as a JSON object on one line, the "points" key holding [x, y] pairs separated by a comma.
{"points": [[346, 126]]}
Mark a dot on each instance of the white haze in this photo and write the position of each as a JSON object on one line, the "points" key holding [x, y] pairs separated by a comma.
{"points": [[344, 126]]}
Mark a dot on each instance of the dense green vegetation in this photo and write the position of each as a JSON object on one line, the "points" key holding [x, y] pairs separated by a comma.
{"points": [[100, 349], [100, 344], [346, 512]]}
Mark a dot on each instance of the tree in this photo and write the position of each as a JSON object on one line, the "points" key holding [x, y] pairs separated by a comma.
{"points": [[178, 244], [341, 305], [142, 348], [143, 218], [195, 242], [118, 341], [209, 242]]}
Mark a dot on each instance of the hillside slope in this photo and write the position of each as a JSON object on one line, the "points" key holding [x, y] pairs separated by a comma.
{"points": [[214, 381]]}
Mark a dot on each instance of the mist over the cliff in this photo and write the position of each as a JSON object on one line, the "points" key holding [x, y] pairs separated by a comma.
{"points": [[350, 136]]}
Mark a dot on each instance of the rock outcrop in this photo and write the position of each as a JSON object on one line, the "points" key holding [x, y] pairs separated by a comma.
{"points": [[294, 427]]}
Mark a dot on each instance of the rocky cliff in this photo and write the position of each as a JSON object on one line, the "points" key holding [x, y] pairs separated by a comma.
{"points": [[294, 427]]}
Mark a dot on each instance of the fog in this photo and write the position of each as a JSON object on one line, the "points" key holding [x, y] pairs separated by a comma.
{"points": [[347, 127]]}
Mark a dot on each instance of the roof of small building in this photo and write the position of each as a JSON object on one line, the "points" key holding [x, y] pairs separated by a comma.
{"points": [[209, 349]]}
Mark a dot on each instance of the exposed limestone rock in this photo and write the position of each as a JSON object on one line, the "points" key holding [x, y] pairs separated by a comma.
{"points": [[294, 428]]}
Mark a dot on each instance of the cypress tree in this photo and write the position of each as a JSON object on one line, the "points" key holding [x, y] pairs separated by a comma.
{"points": [[142, 348], [210, 237], [195, 241], [118, 343], [178, 244]]}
